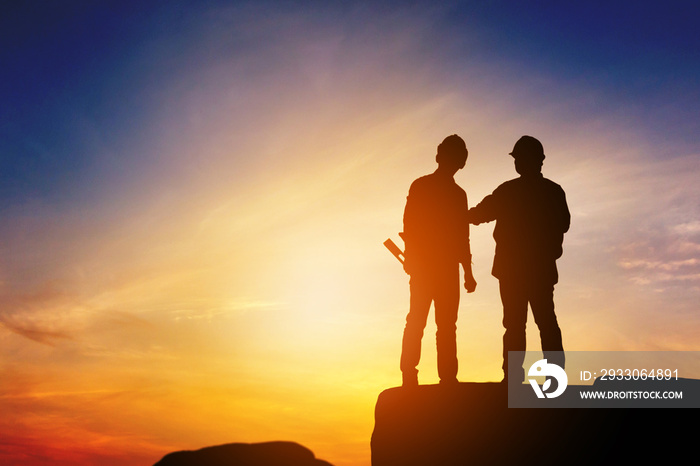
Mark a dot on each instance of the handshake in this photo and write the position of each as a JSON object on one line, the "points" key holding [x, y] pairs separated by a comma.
{"points": [[469, 281]]}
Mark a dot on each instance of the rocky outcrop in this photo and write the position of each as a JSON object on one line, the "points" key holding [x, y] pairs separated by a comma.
{"points": [[245, 454], [470, 423]]}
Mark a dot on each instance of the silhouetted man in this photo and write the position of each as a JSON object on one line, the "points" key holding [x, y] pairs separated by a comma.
{"points": [[531, 218], [436, 234]]}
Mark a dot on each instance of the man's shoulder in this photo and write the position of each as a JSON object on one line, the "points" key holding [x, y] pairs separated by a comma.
{"points": [[419, 185], [423, 180], [552, 185], [508, 185], [520, 182], [428, 181], [433, 183]]}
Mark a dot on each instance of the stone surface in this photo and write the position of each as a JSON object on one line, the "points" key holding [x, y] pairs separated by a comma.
{"points": [[245, 454], [470, 423]]}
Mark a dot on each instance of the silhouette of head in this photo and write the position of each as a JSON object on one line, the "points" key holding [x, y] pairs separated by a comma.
{"points": [[529, 155], [452, 153]]}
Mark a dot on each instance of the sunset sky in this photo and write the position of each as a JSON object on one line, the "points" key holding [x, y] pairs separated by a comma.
{"points": [[194, 196]]}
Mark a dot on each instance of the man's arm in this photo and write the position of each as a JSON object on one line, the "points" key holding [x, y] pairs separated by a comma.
{"points": [[485, 211], [560, 221], [466, 253], [469, 281], [565, 215], [410, 221]]}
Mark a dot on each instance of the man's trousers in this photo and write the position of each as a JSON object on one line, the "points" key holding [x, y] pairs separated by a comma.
{"points": [[515, 296], [442, 289]]}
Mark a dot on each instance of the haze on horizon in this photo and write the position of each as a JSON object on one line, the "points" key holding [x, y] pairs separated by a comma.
{"points": [[194, 197]]}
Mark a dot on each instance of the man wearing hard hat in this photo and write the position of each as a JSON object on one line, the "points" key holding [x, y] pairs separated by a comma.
{"points": [[436, 233], [531, 217]]}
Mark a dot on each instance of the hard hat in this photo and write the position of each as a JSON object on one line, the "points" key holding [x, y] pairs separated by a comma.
{"points": [[529, 147], [452, 144], [453, 147]]}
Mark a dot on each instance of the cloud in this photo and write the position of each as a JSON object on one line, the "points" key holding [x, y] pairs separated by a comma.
{"points": [[235, 307], [661, 244], [663, 260], [38, 315], [46, 337]]}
